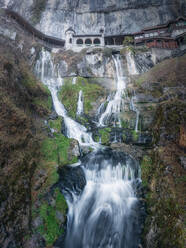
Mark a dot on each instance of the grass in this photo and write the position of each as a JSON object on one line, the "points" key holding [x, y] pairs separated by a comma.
{"points": [[69, 95], [50, 228], [146, 170], [56, 124], [105, 135], [135, 135], [162, 73], [61, 204], [56, 149]]}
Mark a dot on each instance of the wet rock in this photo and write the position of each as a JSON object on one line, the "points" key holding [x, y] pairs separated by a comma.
{"points": [[37, 222], [182, 140], [74, 149], [53, 116], [36, 241], [183, 162], [72, 179], [60, 217]]}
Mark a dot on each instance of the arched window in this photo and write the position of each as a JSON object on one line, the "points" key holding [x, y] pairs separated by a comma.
{"points": [[88, 42], [97, 41], [79, 42], [70, 40]]}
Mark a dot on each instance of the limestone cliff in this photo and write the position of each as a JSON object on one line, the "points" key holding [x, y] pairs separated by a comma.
{"points": [[116, 16]]}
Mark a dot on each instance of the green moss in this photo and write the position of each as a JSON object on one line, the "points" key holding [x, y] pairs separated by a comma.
{"points": [[135, 135], [39, 102], [69, 95], [107, 52], [105, 135], [56, 149], [124, 137], [50, 228], [128, 40], [56, 124], [61, 204], [146, 170], [124, 124], [83, 120]]}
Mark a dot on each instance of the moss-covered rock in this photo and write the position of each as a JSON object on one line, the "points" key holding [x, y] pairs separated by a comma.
{"points": [[104, 135], [52, 218], [21, 125], [69, 95]]}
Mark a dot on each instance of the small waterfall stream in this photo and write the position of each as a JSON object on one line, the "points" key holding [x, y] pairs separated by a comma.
{"points": [[115, 104], [46, 70], [106, 213], [133, 108], [80, 104]]}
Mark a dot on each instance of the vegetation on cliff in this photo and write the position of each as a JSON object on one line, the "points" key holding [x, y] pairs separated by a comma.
{"points": [[69, 95], [19, 141], [163, 174]]}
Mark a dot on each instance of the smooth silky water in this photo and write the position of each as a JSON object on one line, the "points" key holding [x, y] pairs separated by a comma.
{"points": [[106, 213]]}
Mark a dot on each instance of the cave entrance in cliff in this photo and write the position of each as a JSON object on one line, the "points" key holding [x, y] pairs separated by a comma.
{"points": [[88, 42], [79, 42], [97, 42]]}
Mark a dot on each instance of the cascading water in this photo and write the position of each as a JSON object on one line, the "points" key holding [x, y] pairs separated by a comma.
{"points": [[45, 69], [74, 80], [80, 104], [106, 213], [133, 108], [115, 104], [131, 64]]}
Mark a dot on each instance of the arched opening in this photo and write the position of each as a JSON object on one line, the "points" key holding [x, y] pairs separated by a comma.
{"points": [[79, 42], [88, 42], [97, 42], [70, 40], [109, 41], [119, 41]]}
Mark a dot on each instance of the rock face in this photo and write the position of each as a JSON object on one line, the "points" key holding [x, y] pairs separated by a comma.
{"points": [[19, 145], [116, 16]]}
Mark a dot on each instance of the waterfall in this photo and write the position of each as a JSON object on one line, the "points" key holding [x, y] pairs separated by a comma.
{"points": [[115, 104], [45, 69], [131, 64], [80, 104], [74, 80], [6, 3], [105, 214], [133, 108]]}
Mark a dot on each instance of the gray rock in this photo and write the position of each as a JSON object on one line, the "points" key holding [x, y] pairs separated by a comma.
{"points": [[37, 222], [60, 216], [183, 162], [117, 16]]}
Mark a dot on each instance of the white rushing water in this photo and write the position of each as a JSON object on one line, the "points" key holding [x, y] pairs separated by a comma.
{"points": [[134, 108], [46, 70], [131, 64], [105, 214], [80, 104], [115, 104], [74, 80]]}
